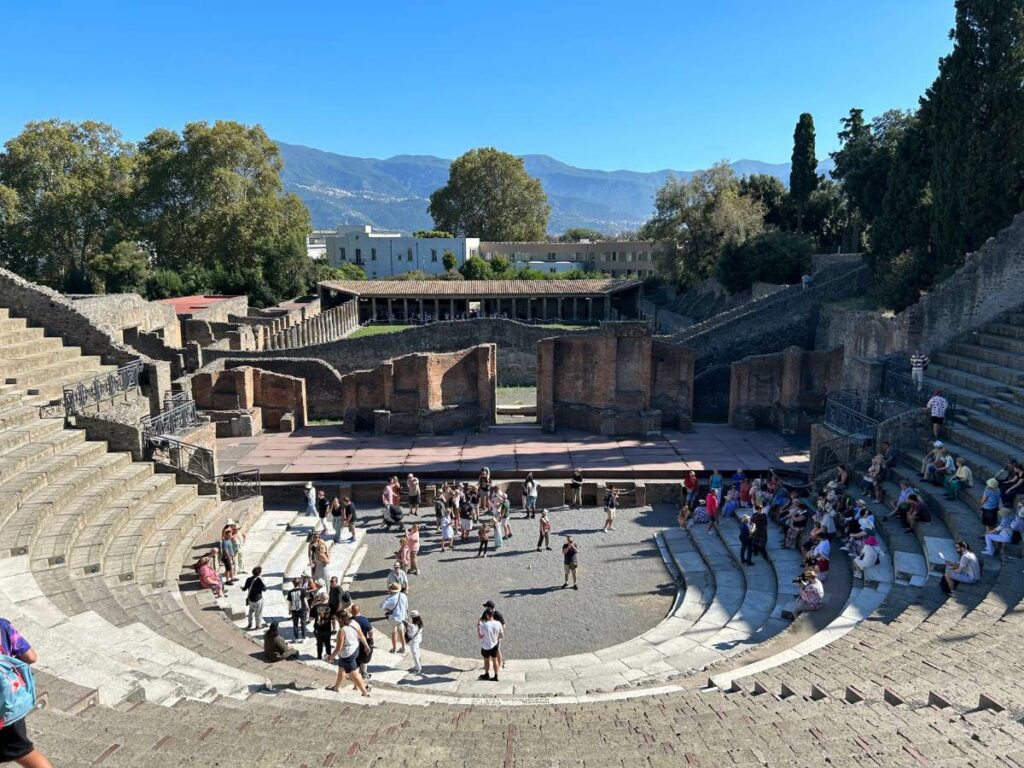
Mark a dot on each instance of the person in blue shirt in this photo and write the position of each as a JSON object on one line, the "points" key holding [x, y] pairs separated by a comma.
{"points": [[716, 483], [738, 478], [990, 502], [15, 745]]}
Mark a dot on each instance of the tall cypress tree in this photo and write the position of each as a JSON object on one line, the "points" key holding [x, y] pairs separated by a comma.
{"points": [[977, 175], [803, 174]]}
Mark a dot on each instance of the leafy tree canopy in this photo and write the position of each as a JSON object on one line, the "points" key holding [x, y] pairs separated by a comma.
{"points": [[430, 234], [576, 234], [490, 195], [771, 257]]}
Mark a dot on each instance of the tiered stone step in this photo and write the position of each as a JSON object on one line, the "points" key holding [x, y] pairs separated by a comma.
{"points": [[767, 589]]}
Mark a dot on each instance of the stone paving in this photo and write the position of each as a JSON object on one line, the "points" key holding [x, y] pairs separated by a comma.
{"points": [[625, 589], [323, 451]]}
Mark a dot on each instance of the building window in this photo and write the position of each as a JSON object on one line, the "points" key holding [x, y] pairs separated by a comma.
{"points": [[408, 252], [551, 257], [343, 254], [433, 254], [472, 252], [590, 257], [373, 254], [615, 255]]}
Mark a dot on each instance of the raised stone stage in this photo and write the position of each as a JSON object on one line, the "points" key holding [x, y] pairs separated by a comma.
{"points": [[325, 452]]}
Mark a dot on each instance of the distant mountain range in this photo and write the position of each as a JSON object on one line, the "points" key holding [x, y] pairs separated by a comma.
{"points": [[393, 193]]}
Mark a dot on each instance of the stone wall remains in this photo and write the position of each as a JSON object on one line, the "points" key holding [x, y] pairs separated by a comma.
{"points": [[990, 282], [58, 316], [124, 311], [423, 393], [786, 318], [248, 388], [613, 382], [785, 390], [516, 343]]}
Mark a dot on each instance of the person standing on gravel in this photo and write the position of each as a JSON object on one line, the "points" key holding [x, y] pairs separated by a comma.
{"points": [[544, 527], [489, 606], [611, 502], [396, 609], [254, 589], [570, 559], [576, 489], [412, 485], [530, 490]]}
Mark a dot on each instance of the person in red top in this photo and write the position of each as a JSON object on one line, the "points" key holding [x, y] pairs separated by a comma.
{"points": [[745, 493], [712, 507], [15, 744], [692, 486]]}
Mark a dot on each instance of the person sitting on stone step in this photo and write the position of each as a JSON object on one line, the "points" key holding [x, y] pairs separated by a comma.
{"points": [[275, 648], [965, 571], [962, 477], [869, 556], [930, 457], [812, 593]]}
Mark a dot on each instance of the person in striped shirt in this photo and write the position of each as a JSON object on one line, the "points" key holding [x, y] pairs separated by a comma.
{"points": [[918, 364]]}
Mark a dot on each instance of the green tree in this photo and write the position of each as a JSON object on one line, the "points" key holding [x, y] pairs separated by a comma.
{"points": [[772, 257], [771, 193], [211, 199], [803, 174], [68, 185], [977, 129], [695, 219], [449, 261], [164, 284], [502, 268], [490, 195], [123, 270], [475, 268], [576, 234], [344, 271], [432, 234]]}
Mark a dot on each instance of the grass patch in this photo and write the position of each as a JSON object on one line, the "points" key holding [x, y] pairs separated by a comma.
{"points": [[376, 330]]}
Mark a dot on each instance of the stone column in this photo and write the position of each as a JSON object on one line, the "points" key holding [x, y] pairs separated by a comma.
{"points": [[405, 309], [451, 309], [560, 315], [529, 309], [373, 309], [590, 310], [607, 307]]}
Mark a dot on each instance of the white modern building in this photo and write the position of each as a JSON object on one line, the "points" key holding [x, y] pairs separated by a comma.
{"points": [[386, 254], [619, 258], [316, 243]]}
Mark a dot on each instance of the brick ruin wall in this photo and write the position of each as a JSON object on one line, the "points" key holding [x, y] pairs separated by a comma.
{"points": [[785, 390], [516, 343], [619, 381], [990, 282], [246, 388], [423, 393], [784, 319]]}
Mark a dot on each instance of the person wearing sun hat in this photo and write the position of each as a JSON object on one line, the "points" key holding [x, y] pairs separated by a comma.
{"points": [[309, 497], [396, 610], [869, 555], [990, 502]]}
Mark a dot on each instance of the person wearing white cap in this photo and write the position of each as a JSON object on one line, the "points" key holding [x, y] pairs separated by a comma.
{"points": [[414, 638], [309, 495]]}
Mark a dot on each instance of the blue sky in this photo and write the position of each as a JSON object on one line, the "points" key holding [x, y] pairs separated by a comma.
{"points": [[637, 85]]}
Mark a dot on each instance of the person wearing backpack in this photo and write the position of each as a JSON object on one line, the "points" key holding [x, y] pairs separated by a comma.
{"points": [[17, 699], [414, 639]]}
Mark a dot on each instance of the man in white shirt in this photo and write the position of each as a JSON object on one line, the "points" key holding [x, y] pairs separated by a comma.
{"points": [[490, 632], [936, 408], [918, 365]]}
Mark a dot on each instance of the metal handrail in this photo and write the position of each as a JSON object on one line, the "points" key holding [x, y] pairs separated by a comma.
{"points": [[239, 485], [99, 389], [193, 459], [174, 421], [848, 421]]}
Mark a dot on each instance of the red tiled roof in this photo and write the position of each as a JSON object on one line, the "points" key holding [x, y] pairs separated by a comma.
{"points": [[475, 288], [186, 305]]}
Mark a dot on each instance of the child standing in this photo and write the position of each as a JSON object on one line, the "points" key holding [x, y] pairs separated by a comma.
{"points": [[447, 531], [414, 639]]}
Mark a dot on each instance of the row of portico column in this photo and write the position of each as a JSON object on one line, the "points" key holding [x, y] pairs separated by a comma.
{"points": [[571, 308], [326, 326]]}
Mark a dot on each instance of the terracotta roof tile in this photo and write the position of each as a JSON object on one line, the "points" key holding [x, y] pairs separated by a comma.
{"points": [[472, 288]]}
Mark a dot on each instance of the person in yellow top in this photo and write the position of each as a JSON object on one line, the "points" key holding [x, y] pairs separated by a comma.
{"points": [[962, 478]]}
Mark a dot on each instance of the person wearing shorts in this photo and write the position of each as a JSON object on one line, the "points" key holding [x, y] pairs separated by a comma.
{"points": [[966, 571], [570, 552], [611, 501], [15, 745], [350, 641], [412, 485], [490, 633]]}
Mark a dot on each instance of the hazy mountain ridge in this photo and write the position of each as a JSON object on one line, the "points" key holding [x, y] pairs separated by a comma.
{"points": [[393, 192]]}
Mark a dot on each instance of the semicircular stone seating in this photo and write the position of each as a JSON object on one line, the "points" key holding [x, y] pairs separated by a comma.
{"points": [[94, 551]]}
